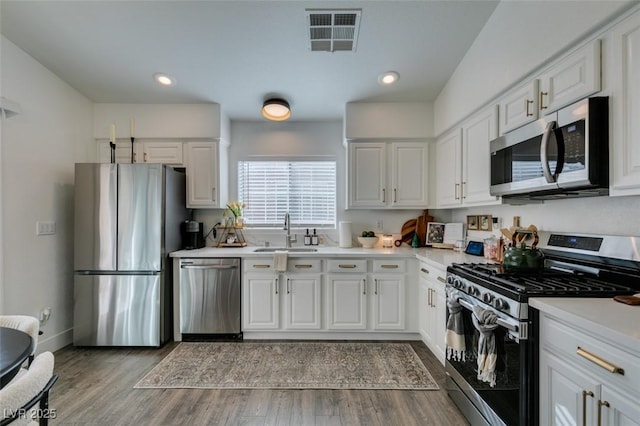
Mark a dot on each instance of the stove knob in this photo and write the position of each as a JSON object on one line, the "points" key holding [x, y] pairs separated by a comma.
{"points": [[473, 291], [487, 298], [500, 304], [450, 279], [457, 283]]}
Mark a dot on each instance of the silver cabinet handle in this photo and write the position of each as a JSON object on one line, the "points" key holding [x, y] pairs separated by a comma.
{"points": [[389, 266], [261, 266], [442, 279], [394, 196], [585, 394], [462, 191], [288, 281], [375, 291], [213, 193], [611, 368], [542, 95], [303, 266], [600, 404], [276, 282], [527, 102], [456, 191], [384, 195], [429, 297], [426, 271], [344, 266], [364, 287], [144, 156]]}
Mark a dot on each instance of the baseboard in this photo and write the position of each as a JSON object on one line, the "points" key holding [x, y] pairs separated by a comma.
{"points": [[55, 342], [329, 335]]}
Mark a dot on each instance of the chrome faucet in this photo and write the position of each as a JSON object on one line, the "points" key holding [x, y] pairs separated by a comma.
{"points": [[287, 227]]}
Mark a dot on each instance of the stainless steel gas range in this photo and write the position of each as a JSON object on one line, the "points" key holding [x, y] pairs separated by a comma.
{"points": [[492, 366]]}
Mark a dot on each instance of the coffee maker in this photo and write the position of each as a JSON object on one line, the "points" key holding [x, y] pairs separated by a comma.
{"points": [[192, 233]]}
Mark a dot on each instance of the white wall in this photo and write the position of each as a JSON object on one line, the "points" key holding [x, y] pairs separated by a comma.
{"points": [[39, 149], [316, 138], [518, 38]]}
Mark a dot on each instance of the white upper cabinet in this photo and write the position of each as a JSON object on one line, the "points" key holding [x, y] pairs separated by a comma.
{"points": [[160, 152], [463, 174], [206, 174], [519, 107], [624, 80], [387, 174], [572, 78]]}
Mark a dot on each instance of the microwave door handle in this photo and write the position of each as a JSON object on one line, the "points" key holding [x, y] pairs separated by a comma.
{"points": [[544, 158], [560, 145]]}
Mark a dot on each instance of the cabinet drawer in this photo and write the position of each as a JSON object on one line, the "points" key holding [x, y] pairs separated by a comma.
{"points": [[388, 266], [303, 265], [562, 338], [347, 265], [258, 265]]}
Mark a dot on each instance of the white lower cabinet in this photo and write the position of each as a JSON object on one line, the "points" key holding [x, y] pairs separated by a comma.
{"points": [[577, 384], [388, 302], [260, 301], [302, 293], [346, 302], [432, 309]]}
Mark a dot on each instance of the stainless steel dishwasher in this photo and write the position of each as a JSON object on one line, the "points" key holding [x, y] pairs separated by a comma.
{"points": [[210, 298]]}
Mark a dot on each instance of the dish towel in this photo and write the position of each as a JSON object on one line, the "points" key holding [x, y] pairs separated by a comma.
{"points": [[486, 321], [454, 337], [279, 261]]}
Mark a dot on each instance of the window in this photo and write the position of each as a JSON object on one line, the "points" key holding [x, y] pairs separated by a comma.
{"points": [[304, 189]]}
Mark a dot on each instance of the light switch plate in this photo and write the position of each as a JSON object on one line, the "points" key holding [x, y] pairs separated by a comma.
{"points": [[45, 228]]}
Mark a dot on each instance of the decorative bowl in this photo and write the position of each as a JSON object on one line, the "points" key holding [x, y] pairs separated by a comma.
{"points": [[368, 242]]}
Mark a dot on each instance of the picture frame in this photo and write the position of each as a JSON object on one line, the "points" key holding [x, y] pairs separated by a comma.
{"points": [[435, 233], [485, 222], [472, 222]]}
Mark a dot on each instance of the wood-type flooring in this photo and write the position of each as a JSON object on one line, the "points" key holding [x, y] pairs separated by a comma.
{"points": [[96, 388]]}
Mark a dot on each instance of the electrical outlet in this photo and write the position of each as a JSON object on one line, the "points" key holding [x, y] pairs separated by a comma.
{"points": [[379, 224], [45, 228]]}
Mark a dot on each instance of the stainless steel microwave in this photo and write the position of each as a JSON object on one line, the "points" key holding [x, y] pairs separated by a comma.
{"points": [[564, 154]]}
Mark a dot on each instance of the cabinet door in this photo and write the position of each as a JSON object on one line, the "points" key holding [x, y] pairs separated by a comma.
{"points": [[519, 107], [448, 170], [388, 296], [618, 409], [346, 302], [161, 152], [567, 396], [439, 319], [409, 171], [303, 302], [625, 105], [367, 175], [573, 78], [260, 302], [476, 157], [123, 152], [202, 175], [423, 311]]}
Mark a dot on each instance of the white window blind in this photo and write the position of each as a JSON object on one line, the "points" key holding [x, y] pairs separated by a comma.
{"points": [[304, 189]]}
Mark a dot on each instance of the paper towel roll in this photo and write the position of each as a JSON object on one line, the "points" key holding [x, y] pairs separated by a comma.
{"points": [[344, 236]]}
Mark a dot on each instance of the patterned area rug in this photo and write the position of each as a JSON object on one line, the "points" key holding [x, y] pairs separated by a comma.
{"points": [[297, 365]]}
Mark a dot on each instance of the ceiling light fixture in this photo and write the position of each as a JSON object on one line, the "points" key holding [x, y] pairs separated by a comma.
{"points": [[164, 79], [388, 77], [276, 109]]}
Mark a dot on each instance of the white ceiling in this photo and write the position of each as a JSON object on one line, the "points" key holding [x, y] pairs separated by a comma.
{"points": [[238, 53]]}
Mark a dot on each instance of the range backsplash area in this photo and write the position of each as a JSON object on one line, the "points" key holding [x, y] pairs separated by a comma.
{"points": [[599, 215]]}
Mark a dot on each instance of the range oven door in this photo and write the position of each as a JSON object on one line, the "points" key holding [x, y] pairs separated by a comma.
{"points": [[508, 402]]}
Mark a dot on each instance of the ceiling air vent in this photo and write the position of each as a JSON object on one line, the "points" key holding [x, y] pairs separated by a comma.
{"points": [[333, 30]]}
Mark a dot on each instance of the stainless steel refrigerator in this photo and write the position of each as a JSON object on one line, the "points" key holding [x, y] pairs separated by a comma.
{"points": [[127, 220]]}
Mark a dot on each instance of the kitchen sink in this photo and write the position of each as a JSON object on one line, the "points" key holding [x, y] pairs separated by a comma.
{"points": [[290, 250]]}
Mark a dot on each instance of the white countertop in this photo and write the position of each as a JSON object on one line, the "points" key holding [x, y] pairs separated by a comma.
{"points": [[605, 317], [439, 257]]}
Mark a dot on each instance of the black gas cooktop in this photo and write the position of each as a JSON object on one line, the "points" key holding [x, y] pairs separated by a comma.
{"points": [[545, 282]]}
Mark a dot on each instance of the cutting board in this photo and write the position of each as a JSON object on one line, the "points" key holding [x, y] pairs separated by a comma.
{"points": [[421, 227], [407, 231]]}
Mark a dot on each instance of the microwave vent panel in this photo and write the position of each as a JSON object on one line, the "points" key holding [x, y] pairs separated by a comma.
{"points": [[333, 30]]}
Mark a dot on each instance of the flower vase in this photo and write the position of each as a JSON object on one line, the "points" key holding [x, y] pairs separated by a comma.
{"points": [[239, 222]]}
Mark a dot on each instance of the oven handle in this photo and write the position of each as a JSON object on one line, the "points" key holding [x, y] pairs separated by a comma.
{"points": [[500, 321]]}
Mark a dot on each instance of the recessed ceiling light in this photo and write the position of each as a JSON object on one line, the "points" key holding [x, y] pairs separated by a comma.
{"points": [[164, 79], [388, 77]]}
